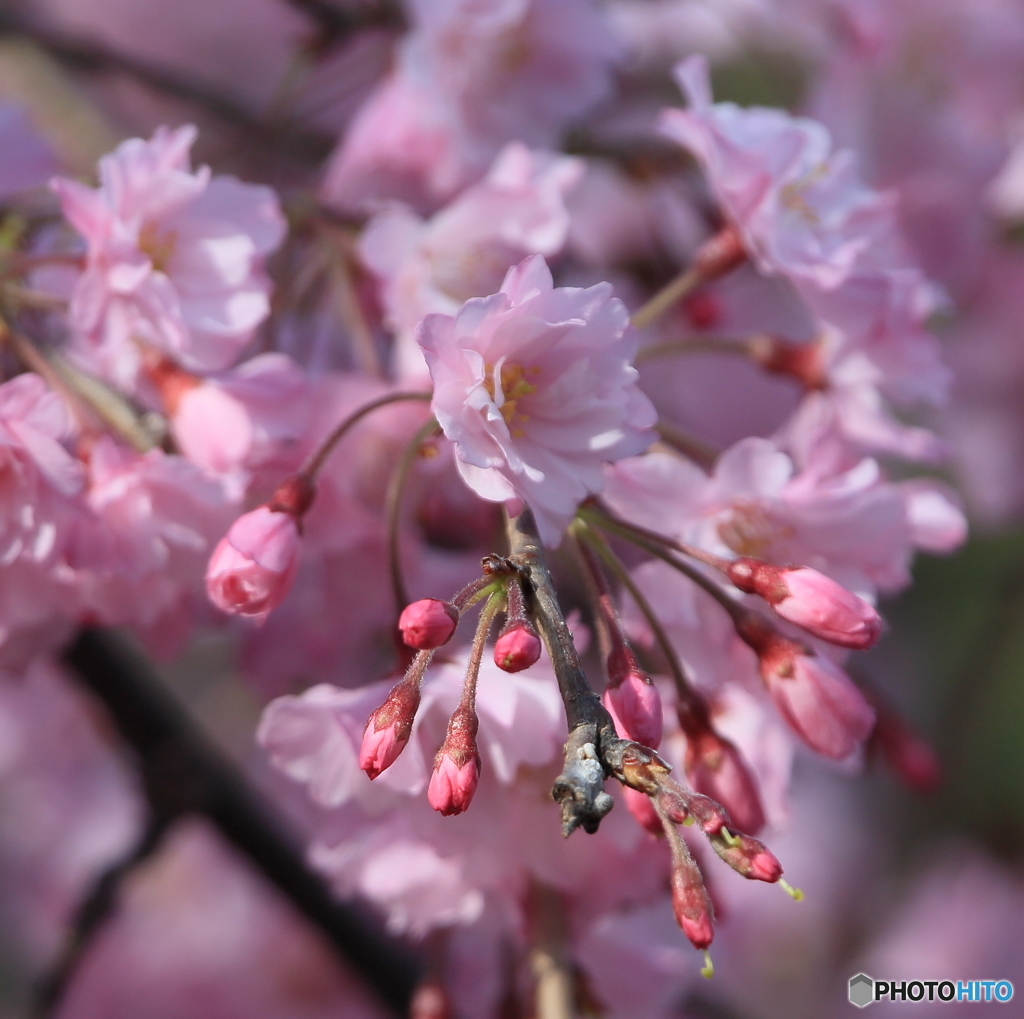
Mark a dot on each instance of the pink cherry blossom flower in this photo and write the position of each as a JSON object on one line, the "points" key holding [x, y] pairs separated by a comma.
{"points": [[800, 208], [534, 387], [253, 567], [174, 258], [452, 785]]}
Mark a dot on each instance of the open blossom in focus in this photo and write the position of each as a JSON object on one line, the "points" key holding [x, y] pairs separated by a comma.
{"points": [[470, 78], [466, 249], [174, 258], [535, 388]]}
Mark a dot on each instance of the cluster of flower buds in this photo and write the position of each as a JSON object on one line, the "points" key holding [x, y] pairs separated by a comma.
{"points": [[646, 775], [426, 625]]}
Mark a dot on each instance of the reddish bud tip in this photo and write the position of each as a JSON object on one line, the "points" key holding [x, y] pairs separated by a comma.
{"points": [[640, 806], [747, 856], [254, 565], [692, 906], [703, 309], [452, 785], [517, 648], [388, 729], [294, 495], [634, 703], [909, 755], [720, 254], [457, 765], [428, 623], [801, 361]]}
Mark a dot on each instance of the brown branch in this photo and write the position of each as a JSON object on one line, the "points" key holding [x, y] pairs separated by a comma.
{"points": [[580, 787]]}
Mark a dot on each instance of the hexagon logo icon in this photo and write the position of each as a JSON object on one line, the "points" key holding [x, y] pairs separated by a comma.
{"points": [[862, 990]]}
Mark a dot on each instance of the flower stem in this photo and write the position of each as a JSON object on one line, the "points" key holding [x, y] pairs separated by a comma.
{"points": [[393, 504], [315, 463], [683, 285]]}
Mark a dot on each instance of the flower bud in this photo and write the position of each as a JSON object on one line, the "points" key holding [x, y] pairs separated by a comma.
{"points": [[388, 728], [719, 254], [804, 362], [747, 856], [810, 600], [640, 806], [456, 766], [517, 648], [428, 623], [715, 768], [633, 700], [816, 698], [692, 904], [909, 755], [253, 567]]}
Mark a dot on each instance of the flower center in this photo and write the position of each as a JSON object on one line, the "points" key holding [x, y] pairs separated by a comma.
{"points": [[794, 195], [749, 530], [156, 246], [507, 384]]}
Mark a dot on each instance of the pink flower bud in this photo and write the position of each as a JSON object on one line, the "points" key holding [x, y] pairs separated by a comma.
{"points": [[428, 623], [633, 700], [810, 600], [388, 728], [452, 785], [747, 856], [719, 254], [517, 648], [253, 567], [816, 698], [457, 765], [692, 905], [716, 769], [640, 806]]}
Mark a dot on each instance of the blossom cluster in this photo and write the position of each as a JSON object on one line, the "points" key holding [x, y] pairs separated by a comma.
{"points": [[529, 341]]}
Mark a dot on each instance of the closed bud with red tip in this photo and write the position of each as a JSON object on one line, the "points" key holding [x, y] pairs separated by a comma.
{"points": [[428, 623], [747, 856], [632, 699], [811, 600], [389, 727], [457, 765], [518, 647], [692, 904]]}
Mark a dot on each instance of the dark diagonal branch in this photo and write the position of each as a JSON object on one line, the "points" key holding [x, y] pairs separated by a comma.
{"points": [[183, 773]]}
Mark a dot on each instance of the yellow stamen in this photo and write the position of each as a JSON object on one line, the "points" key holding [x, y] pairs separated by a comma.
{"points": [[794, 893], [708, 970]]}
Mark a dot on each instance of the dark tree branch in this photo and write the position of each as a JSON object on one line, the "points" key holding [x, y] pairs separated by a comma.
{"points": [[580, 787], [183, 773]]}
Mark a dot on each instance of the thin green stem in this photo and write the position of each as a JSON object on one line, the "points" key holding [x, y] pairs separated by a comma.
{"points": [[683, 285], [602, 549], [315, 463], [700, 452], [393, 504], [694, 345]]}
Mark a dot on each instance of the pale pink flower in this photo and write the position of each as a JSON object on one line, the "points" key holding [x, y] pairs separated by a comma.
{"points": [[466, 249], [245, 420], [800, 208], [253, 567], [534, 387], [174, 258], [39, 479]]}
